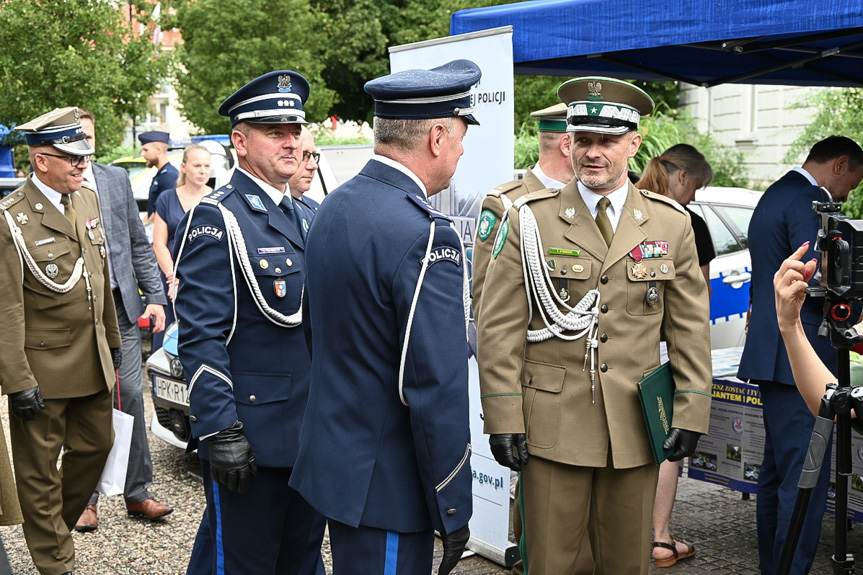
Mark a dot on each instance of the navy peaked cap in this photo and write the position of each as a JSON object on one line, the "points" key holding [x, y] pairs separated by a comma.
{"points": [[154, 136], [61, 128], [440, 92], [274, 98]]}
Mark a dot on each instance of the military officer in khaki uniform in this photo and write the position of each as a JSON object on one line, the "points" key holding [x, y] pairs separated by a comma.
{"points": [[59, 346], [553, 170], [579, 284]]}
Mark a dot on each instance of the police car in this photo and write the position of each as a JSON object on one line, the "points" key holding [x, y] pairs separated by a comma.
{"points": [[727, 212]]}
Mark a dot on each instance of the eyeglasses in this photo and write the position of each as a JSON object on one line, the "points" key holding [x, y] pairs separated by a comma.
{"points": [[315, 155], [74, 160]]}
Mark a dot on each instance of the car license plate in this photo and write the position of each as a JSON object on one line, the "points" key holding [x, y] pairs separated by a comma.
{"points": [[171, 390]]}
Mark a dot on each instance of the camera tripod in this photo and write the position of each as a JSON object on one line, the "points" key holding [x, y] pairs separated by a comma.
{"points": [[838, 401]]}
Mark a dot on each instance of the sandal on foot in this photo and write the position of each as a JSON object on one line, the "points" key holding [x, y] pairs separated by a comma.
{"points": [[669, 561]]}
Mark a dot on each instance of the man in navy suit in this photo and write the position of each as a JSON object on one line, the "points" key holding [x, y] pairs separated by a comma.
{"points": [[385, 445], [240, 265], [784, 221]]}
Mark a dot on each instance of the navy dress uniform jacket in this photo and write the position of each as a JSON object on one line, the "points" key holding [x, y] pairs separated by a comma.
{"points": [[366, 458], [783, 221], [239, 364]]}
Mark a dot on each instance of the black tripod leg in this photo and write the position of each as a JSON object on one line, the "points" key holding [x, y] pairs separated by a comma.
{"points": [[808, 479]]}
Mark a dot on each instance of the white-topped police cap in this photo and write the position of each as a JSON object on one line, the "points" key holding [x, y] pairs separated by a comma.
{"points": [[551, 119], [154, 136], [603, 105], [61, 128], [274, 98], [440, 92]]}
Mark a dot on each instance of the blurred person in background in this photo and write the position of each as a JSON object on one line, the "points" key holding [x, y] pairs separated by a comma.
{"points": [[677, 174], [171, 206], [154, 150]]}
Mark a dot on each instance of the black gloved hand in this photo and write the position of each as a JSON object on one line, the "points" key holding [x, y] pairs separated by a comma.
{"points": [[501, 447], [682, 441], [26, 404], [232, 462], [117, 356], [453, 547]]}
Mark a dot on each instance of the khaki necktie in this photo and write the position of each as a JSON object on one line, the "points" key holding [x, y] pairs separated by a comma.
{"points": [[602, 221], [69, 211]]}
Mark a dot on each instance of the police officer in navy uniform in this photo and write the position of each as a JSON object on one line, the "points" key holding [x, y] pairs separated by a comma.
{"points": [[385, 446], [154, 149], [240, 265]]}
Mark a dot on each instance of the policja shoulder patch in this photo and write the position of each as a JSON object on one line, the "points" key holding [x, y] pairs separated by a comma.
{"points": [[444, 253]]}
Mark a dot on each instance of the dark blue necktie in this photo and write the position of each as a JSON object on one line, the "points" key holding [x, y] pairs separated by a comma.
{"points": [[290, 207]]}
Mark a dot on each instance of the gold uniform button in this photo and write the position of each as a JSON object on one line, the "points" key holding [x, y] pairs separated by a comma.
{"points": [[289, 262], [252, 399], [192, 418]]}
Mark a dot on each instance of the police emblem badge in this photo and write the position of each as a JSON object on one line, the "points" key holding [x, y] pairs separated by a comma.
{"points": [[280, 288]]}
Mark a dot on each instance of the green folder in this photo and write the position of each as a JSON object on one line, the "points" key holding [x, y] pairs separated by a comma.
{"points": [[656, 393]]}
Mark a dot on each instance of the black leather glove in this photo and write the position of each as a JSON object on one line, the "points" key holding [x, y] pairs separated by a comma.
{"points": [[26, 404], [117, 356], [453, 547], [682, 441], [501, 447], [232, 462]]}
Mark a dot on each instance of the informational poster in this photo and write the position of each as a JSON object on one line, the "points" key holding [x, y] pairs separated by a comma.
{"points": [[731, 452], [487, 162]]}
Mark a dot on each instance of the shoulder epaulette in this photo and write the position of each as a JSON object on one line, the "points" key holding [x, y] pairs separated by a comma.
{"points": [[432, 212], [670, 201], [504, 188], [533, 196], [11, 199], [216, 196]]}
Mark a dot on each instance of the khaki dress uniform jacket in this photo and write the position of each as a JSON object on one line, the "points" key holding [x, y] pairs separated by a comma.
{"points": [[60, 342], [544, 389], [491, 214]]}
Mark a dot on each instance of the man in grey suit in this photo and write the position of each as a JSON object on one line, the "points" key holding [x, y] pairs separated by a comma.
{"points": [[132, 265]]}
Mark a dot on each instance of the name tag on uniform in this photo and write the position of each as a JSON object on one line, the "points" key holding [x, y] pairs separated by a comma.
{"points": [[46, 241], [278, 250]]}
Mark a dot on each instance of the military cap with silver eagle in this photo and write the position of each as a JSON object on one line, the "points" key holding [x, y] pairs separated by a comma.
{"points": [[551, 119], [441, 92], [274, 98], [604, 105], [61, 128]]}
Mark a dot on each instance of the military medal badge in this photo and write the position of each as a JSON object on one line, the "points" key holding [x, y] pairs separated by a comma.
{"points": [[51, 270], [639, 271], [22, 218], [280, 288]]}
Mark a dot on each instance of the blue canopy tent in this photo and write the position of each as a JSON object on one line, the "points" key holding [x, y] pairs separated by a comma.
{"points": [[702, 42]]}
